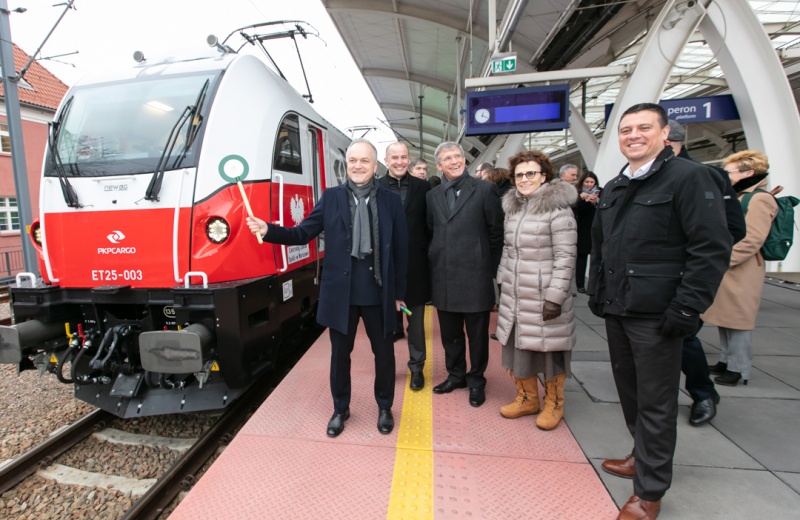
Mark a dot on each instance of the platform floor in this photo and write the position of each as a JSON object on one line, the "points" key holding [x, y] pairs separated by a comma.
{"points": [[472, 463]]}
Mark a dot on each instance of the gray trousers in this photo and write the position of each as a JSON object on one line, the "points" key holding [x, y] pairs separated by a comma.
{"points": [[647, 369], [737, 350], [416, 336]]}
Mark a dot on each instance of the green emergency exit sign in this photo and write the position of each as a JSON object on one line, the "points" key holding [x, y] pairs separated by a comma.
{"points": [[506, 64]]}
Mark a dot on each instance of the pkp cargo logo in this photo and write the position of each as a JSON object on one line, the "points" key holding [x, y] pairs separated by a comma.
{"points": [[115, 237]]}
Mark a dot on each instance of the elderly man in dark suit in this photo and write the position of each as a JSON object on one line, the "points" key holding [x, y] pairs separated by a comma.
{"points": [[412, 191], [467, 222], [365, 264]]}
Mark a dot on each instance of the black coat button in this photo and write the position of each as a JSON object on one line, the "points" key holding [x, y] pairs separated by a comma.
{"points": [[610, 271], [608, 301]]}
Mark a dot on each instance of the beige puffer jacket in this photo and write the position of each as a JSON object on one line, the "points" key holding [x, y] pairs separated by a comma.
{"points": [[538, 262]]}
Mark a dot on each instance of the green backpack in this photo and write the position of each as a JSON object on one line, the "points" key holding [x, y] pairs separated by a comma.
{"points": [[781, 234]]}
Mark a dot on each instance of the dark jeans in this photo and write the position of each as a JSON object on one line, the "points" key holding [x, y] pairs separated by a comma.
{"points": [[416, 336], [647, 369], [695, 366], [580, 270], [382, 348]]}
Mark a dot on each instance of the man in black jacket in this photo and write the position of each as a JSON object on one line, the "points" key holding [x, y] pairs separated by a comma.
{"points": [[693, 361], [467, 222], [660, 247], [412, 191]]}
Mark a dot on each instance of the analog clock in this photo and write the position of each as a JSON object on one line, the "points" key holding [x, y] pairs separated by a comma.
{"points": [[482, 116]]}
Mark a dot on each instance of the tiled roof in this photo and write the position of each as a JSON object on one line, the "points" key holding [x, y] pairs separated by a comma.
{"points": [[47, 91]]}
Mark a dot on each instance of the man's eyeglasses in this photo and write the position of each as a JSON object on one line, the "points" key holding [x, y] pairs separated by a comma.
{"points": [[528, 175], [451, 158]]}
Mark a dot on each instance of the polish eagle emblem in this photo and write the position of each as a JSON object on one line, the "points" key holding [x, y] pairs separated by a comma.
{"points": [[297, 209]]}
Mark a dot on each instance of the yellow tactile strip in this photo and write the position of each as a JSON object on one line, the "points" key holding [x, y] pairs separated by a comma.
{"points": [[411, 495]]}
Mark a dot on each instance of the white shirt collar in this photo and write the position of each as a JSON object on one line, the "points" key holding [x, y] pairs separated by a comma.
{"points": [[640, 172]]}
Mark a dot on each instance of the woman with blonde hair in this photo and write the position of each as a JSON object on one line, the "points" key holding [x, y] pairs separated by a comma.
{"points": [[739, 296], [536, 320]]}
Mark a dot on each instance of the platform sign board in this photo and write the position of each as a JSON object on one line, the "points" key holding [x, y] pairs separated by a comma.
{"points": [[504, 64], [697, 110], [518, 110]]}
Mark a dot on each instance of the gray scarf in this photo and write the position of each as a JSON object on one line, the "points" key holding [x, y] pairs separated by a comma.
{"points": [[365, 237]]}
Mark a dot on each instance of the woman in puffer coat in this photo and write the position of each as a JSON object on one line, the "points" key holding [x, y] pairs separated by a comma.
{"points": [[536, 320], [736, 305]]}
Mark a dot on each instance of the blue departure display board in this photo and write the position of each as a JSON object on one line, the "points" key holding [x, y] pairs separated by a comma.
{"points": [[518, 110]]}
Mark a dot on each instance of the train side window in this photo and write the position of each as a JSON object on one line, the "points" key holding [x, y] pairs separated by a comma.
{"points": [[287, 156]]}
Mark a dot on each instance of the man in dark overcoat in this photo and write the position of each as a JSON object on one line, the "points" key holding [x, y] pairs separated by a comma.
{"points": [[365, 264], [466, 218], [412, 191]]}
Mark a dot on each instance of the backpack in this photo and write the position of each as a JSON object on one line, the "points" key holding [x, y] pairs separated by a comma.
{"points": [[781, 234]]}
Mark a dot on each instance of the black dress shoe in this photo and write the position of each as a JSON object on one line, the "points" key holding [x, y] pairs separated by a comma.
{"points": [[703, 411], [336, 424], [493, 336], [385, 422], [719, 369], [477, 396], [448, 386], [730, 379], [417, 381], [581, 290]]}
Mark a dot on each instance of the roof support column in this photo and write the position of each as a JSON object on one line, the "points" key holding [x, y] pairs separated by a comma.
{"points": [[762, 93], [583, 136], [513, 146], [490, 153], [661, 49]]}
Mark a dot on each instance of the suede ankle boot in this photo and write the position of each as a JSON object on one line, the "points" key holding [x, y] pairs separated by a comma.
{"points": [[527, 401], [553, 403]]}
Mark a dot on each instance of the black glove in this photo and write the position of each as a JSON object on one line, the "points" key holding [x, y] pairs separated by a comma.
{"points": [[551, 311], [594, 307], [678, 322]]}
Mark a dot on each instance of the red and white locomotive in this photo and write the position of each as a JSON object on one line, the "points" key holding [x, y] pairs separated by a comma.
{"points": [[154, 298]]}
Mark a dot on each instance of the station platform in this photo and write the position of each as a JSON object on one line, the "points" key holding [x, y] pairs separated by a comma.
{"points": [[446, 459]]}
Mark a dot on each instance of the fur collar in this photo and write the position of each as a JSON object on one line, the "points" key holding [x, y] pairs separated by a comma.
{"points": [[554, 195]]}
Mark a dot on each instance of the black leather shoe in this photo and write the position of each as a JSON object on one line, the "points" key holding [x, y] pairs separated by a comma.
{"points": [[477, 396], [703, 411], [448, 386], [493, 336], [719, 369], [730, 379], [399, 335], [336, 424], [385, 422], [417, 381], [581, 290]]}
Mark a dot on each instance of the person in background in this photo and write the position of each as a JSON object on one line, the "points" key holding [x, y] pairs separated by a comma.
{"points": [[536, 320], [483, 171], [736, 305], [502, 178], [569, 174], [419, 168], [364, 274], [588, 193], [435, 180], [660, 247], [465, 216], [413, 192], [693, 361]]}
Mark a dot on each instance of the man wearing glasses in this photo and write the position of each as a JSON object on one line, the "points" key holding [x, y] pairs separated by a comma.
{"points": [[483, 171], [466, 218]]}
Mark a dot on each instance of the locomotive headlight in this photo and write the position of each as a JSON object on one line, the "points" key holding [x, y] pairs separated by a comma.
{"points": [[218, 230]]}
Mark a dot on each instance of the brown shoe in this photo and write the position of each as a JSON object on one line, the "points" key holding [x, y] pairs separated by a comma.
{"points": [[638, 509], [624, 468]]}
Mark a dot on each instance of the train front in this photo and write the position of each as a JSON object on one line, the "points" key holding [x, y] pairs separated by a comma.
{"points": [[145, 302]]}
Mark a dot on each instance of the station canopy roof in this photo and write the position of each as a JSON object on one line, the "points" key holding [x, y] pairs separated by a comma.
{"points": [[414, 54]]}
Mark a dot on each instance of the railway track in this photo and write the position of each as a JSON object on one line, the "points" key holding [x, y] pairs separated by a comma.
{"points": [[181, 475]]}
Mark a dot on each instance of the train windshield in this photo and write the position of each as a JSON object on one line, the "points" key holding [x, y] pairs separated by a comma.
{"points": [[130, 127]]}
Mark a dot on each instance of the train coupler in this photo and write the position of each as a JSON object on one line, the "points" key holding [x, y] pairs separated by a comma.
{"points": [[175, 351]]}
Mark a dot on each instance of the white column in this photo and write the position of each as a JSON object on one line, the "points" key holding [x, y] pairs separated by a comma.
{"points": [[583, 136]]}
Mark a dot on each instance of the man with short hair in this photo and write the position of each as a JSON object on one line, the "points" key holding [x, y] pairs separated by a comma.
{"points": [[413, 192], [365, 264], [419, 168], [660, 247], [483, 171], [693, 361], [467, 222], [569, 173]]}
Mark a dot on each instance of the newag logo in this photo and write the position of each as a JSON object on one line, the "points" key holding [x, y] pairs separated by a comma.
{"points": [[115, 237]]}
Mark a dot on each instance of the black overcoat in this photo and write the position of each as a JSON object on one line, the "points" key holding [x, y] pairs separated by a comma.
{"points": [[332, 215], [466, 246], [418, 287]]}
